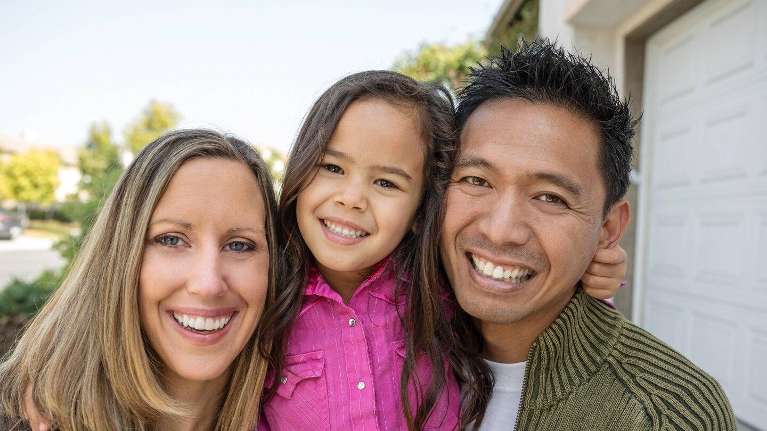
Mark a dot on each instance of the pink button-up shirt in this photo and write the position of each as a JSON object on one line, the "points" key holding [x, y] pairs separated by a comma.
{"points": [[343, 364]]}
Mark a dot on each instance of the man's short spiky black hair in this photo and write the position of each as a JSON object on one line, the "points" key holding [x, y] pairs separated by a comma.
{"points": [[541, 72]]}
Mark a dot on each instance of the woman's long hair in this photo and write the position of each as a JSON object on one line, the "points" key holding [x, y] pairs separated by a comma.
{"points": [[85, 355], [416, 259]]}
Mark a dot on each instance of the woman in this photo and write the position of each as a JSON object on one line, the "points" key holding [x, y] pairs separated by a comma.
{"points": [[154, 326]]}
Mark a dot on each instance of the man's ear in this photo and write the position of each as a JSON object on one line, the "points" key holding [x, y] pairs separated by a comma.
{"points": [[615, 224]]}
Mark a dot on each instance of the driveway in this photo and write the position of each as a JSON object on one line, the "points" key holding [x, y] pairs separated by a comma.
{"points": [[26, 258]]}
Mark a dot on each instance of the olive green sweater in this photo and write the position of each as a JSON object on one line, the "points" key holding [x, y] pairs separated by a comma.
{"points": [[593, 370]]}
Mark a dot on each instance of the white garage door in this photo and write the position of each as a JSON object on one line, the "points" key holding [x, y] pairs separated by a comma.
{"points": [[703, 240]]}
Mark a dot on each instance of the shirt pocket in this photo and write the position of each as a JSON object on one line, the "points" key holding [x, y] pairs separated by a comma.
{"points": [[445, 413], [301, 400]]}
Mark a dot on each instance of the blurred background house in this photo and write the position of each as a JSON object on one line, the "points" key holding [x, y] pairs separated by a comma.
{"points": [[697, 70]]}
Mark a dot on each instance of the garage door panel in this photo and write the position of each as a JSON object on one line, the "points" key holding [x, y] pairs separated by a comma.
{"points": [[731, 35], [755, 397], [712, 346], [761, 261], [670, 322], [720, 250], [671, 260], [726, 134], [680, 81], [676, 147]]}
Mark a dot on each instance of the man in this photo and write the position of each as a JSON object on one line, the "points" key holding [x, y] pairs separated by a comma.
{"points": [[537, 187]]}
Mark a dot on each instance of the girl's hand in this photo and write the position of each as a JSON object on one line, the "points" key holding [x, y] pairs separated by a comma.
{"points": [[606, 273]]}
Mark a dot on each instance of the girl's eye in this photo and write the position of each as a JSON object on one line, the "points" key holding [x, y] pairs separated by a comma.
{"points": [[167, 240], [335, 169], [551, 199], [385, 184], [240, 246], [475, 181]]}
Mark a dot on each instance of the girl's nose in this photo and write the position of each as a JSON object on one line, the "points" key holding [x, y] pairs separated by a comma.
{"points": [[353, 197]]}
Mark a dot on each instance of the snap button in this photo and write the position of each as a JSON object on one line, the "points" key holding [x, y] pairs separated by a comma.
{"points": [[283, 379], [352, 322], [361, 385]]}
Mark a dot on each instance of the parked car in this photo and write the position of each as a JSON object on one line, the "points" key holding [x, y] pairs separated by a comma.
{"points": [[11, 225]]}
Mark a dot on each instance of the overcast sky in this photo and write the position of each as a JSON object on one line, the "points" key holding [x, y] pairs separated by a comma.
{"points": [[248, 67]]}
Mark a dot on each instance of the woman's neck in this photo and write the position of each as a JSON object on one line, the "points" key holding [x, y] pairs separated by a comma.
{"points": [[201, 398]]}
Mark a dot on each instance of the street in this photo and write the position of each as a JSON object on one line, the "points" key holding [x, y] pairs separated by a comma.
{"points": [[25, 258]]}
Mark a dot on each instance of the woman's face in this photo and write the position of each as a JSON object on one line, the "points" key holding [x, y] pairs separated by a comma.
{"points": [[205, 269]]}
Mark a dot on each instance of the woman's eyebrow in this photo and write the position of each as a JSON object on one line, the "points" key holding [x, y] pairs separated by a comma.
{"points": [[184, 224]]}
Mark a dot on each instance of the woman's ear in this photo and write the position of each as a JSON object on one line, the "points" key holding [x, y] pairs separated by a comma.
{"points": [[615, 224]]}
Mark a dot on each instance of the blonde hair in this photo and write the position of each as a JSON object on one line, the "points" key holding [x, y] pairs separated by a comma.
{"points": [[85, 354]]}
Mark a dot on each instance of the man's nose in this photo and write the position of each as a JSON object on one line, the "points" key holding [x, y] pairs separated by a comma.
{"points": [[506, 221], [207, 277], [352, 195]]}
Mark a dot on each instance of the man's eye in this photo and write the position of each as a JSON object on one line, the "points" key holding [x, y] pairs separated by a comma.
{"points": [[335, 169], [168, 240], [385, 184], [475, 181], [240, 246], [551, 199]]}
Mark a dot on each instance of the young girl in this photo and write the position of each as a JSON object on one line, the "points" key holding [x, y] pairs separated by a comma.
{"points": [[360, 337]]}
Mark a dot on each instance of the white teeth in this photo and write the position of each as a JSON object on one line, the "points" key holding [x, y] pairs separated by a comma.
{"points": [[200, 323], [498, 272], [343, 231]]}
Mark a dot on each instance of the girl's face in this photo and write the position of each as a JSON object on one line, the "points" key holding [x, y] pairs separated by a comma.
{"points": [[368, 186], [205, 268]]}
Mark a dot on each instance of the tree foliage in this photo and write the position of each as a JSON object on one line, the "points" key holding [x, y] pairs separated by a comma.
{"points": [[30, 177], [441, 63], [523, 25], [155, 120]]}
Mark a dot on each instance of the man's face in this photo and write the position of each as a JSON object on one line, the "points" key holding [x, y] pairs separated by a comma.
{"points": [[524, 210]]}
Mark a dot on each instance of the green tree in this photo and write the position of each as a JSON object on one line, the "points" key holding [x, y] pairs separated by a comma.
{"points": [[30, 177], [441, 63], [524, 24], [100, 153], [155, 120], [275, 161]]}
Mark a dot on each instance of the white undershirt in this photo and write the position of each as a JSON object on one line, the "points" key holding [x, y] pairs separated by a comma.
{"points": [[501, 413]]}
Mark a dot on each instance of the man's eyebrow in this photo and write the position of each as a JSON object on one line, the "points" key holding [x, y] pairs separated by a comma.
{"points": [[559, 180], [474, 162], [184, 224]]}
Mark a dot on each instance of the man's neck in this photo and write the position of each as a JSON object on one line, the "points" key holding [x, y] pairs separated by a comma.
{"points": [[510, 342]]}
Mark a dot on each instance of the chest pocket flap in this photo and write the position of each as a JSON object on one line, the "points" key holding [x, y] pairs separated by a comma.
{"points": [[300, 368]]}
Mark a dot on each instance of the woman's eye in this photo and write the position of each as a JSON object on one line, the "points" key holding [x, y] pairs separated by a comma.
{"points": [[168, 240], [475, 181], [240, 246], [385, 184], [335, 169], [551, 199]]}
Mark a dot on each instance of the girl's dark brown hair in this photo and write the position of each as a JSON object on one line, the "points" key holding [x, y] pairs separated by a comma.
{"points": [[416, 259]]}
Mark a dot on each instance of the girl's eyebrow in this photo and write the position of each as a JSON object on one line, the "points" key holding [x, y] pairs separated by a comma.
{"points": [[384, 168], [393, 170]]}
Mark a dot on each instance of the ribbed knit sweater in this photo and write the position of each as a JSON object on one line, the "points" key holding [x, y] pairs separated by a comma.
{"points": [[593, 370]]}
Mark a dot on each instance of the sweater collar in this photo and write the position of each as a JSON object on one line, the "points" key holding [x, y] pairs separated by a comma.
{"points": [[571, 350]]}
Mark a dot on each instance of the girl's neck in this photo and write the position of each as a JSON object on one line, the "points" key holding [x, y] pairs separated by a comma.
{"points": [[344, 282], [201, 398]]}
